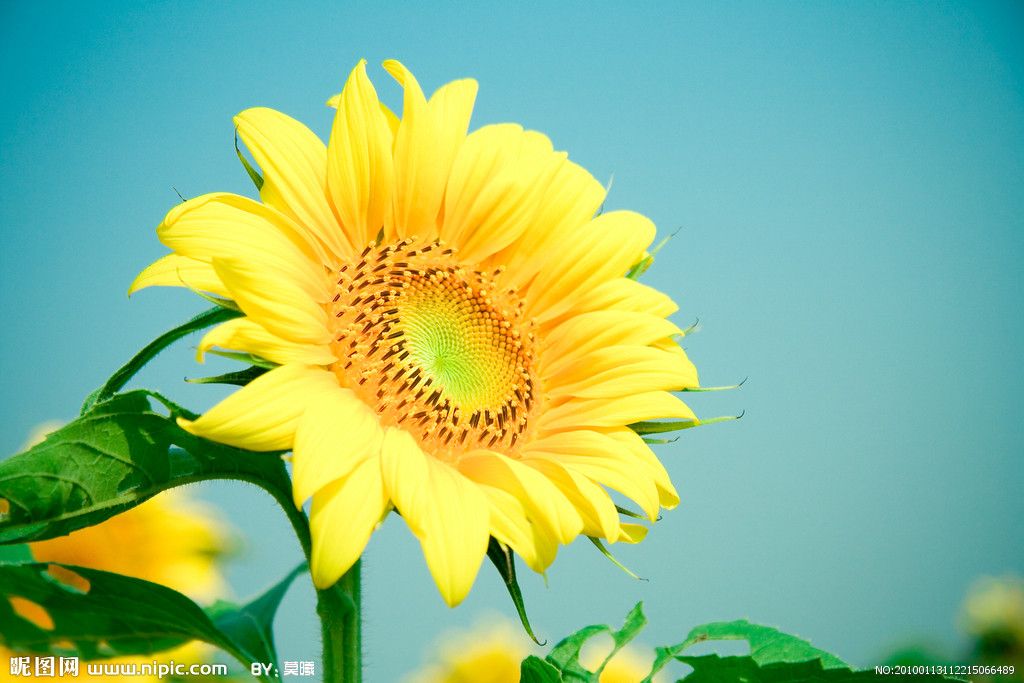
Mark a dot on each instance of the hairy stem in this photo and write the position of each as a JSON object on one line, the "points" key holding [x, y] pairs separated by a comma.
{"points": [[341, 627]]}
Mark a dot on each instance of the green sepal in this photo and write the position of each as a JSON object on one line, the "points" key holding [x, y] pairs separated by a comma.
{"points": [[644, 428], [641, 266], [239, 378], [728, 387], [603, 549], [151, 350], [505, 561], [218, 301], [607, 191], [244, 358], [630, 513], [254, 175], [116, 456], [694, 327]]}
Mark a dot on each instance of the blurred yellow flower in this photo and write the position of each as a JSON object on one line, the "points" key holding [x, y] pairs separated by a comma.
{"points": [[170, 539], [489, 653], [492, 653], [994, 606], [454, 331]]}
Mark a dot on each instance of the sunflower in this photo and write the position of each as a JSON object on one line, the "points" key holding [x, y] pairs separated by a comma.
{"points": [[453, 332]]}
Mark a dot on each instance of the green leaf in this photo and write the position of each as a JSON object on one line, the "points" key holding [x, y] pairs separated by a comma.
{"points": [[565, 656], [254, 175], [251, 626], [151, 350], [239, 378], [536, 670], [775, 657], [94, 614], [715, 669], [504, 560], [15, 554], [767, 645], [770, 649], [116, 456]]}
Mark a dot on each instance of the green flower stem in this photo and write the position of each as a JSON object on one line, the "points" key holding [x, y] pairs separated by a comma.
{"points": [[340, 623], [338, 606]]}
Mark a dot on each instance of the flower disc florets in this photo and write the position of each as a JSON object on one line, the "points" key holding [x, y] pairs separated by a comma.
{"points": [[436, 348]]}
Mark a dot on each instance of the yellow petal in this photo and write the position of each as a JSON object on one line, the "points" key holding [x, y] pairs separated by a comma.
{"points": [[448, 513], [334, 100], [243, 334], [179, 271], [630, 441], [426, 143], [341, 520], [569, 201], [547, 505], [614, 412], [222, 226], [360, 168], [600, 251], [511, 525], [333, 436], [623, 294], [494, 189], [621, 371], [274, 300], [600, 518], [294, 164], [602, 459], [263, 415], [632, 533], [587, 332]]}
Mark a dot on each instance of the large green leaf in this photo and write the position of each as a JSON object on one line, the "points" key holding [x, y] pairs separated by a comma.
{"points": [[250, 626], [767, 645], [92, 614], [119, 454], [775, 657], [536, 670], [565, 656]]}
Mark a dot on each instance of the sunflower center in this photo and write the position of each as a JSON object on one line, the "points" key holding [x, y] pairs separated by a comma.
{"points": [[436, 348]]}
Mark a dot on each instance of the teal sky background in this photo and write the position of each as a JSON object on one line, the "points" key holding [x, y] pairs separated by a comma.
{"points": [[847, 181]]}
